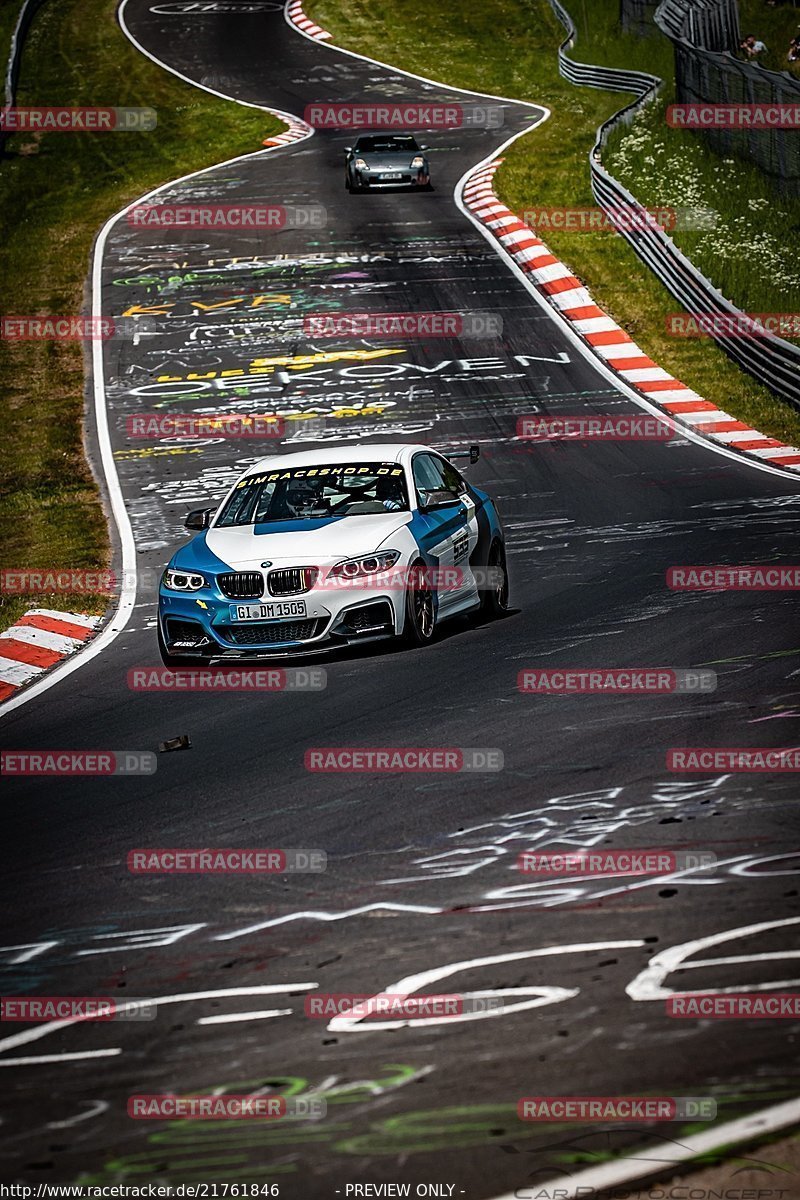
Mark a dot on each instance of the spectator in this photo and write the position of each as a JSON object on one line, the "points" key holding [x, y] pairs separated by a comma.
{"points": [[794, 50], [752, 46]]}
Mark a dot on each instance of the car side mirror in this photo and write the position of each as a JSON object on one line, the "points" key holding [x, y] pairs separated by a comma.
{"points": [[200, 518], [432, 505]]}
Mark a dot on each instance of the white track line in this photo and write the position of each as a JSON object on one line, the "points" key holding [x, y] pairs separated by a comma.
{"points": [[127, 597], [780, 1116], [470, 177], [613, 1174], [569, 300]]}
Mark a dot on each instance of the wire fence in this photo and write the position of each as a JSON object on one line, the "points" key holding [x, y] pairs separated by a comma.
{"points": [[769, 359], [703, 34], [636, 17], [705, 24]]}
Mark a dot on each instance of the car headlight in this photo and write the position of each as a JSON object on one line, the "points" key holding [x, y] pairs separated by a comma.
{"points": [[183, 581], [360, 165], [418, 163], [366, 564]]}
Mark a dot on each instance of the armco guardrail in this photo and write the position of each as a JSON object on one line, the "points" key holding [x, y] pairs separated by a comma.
{"points": [[771, 360], [26, 15], [707, 24]]}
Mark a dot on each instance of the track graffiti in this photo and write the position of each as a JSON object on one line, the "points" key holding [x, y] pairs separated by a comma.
{"points": [[647, 986]]}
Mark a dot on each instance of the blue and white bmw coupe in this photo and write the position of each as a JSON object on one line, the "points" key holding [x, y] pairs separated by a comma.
{"points": [[321, 548]]}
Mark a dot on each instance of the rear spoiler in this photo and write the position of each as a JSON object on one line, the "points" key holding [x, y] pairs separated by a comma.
{"points": [[473, 453]]}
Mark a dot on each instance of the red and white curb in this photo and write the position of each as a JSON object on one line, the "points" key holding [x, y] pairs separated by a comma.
{"points": [[607, 340], [40, 640], [294, 12], [295, 133]]}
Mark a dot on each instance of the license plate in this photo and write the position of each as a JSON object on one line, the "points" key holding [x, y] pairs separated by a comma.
{"points": [[268, 612], [393, 175]]}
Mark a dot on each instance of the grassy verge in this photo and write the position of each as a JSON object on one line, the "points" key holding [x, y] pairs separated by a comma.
{"points": [[56, 190], [775, 27], [748, 254], [549, 167]]}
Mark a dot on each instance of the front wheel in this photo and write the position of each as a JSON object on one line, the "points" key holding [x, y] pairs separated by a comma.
{"points": [[494, 601], [420, 609]]}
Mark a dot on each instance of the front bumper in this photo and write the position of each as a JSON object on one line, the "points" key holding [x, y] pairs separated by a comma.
{"points": [[371, 181], [205, 629]]}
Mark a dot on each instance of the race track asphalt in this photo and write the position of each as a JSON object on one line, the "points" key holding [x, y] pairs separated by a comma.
{"points": [[421, 868]]}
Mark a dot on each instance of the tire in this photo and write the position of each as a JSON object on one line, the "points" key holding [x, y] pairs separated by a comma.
{"points": [[179, 660], [494, 601], [420, 620]]}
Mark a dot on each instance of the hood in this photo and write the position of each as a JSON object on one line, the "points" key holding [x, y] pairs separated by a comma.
{"points": [[317, 541]]}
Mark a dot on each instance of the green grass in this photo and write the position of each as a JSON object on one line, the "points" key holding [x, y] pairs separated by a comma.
{"points": [[56, 191], [549, 167], [666, 167], [775, 27], [748, 253], [599, 39]]}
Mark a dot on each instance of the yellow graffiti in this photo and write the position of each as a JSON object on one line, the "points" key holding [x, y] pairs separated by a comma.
{"points": [[280, 298], [156, 452], [266, 366], [369, 410]]}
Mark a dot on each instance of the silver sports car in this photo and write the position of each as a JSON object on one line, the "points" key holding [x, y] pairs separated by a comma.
{"points": [[386, 160]]}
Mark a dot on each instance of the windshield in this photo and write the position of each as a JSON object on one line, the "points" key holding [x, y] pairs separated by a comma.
{"points": [[301, 493], [388, 144]]}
